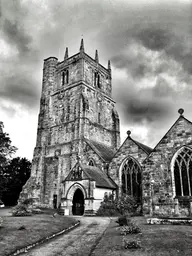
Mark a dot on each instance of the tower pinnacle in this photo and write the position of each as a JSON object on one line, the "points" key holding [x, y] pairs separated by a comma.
{"points": [[82, 46], [66, 54], [96, 56]]}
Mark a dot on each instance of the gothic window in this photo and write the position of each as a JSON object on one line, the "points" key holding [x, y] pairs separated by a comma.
{"points": [[76, 173], [97, 80], [67, 76], [183, 172], [131, 178], [91, 162], [63, 78]]}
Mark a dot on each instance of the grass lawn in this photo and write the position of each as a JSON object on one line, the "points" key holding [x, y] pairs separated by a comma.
{"points": [[37, 227], [156, 240]]}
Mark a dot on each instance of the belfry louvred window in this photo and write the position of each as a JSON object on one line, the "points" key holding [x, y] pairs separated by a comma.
{"points": [[131, 178], [65, 77], [183, 172]]}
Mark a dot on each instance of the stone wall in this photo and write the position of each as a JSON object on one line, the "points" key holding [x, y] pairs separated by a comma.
{"points": [[128, 148], [69, 111], [158, 183]]}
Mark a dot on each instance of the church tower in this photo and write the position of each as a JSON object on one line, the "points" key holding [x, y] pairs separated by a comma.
{"points": [[76, 105]]}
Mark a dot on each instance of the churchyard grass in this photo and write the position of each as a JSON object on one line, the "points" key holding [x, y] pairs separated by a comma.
{"points": [[18, 232], [155, 240]]}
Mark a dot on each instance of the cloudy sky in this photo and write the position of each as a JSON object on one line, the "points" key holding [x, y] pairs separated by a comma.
{"points": [[149, 43]]}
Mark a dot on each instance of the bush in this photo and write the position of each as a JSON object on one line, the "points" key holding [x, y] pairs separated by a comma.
{"points": [[21, 210], [130, 229], [108, 207], [124, 205], [135, 244], [123, 220]]}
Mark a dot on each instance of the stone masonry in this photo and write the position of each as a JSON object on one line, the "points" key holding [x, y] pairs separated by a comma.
{"points": [[75, 105]]}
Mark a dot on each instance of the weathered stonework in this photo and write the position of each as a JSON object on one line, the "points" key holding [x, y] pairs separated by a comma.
{"points": [[158, 168], [79, 126], [75, 105]]}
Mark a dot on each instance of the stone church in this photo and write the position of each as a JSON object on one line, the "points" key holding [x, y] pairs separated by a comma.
{"points": [[78, 158]]}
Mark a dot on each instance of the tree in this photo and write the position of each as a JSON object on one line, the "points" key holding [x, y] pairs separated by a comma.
{"points": [[16, 173], [6, 151]]}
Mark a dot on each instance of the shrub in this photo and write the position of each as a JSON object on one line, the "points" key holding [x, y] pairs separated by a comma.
{"points": [[123, 220], [21, 210], [135, 244], [130, 229], [108, 207], [124, 205]]}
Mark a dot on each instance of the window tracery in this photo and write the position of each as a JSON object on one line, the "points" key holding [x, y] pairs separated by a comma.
{"points": [[183, 173], [91, 162], [76, 173], [131, 178]]}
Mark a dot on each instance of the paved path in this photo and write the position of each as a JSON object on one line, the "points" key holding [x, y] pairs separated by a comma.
{"points": [[78, 242]]}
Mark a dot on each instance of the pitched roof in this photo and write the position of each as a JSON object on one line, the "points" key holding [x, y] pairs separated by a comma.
{"points": [[147, 149], [101, 179], [93, 173], [105, 152], [178, 119]]}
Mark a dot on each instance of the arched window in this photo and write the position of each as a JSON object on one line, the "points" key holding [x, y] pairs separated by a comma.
{"points": [[97, 80], [131, 178], [183, 172], [63, 78], [91, 162], [67, 76]]}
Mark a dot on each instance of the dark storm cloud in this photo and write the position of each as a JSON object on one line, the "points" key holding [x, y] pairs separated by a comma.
{"points": [[16, 36], [145, 105], [137, 66], [19, 88], [154, 38]]}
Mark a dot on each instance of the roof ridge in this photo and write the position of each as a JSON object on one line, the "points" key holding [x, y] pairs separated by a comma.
{"points": [[181, 116], [143, 146]]}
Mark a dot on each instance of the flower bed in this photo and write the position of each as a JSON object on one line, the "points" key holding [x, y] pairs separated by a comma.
{"points": [[174, 221]]}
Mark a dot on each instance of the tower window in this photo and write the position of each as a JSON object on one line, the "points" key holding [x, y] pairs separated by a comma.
{"points": [[65, 77], [97, 80]]}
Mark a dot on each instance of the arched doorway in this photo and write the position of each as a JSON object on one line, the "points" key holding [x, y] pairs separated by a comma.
{"points": [[78, 203]]}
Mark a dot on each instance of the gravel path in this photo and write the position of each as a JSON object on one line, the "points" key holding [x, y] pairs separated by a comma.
{"points": [[79, 242]]}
